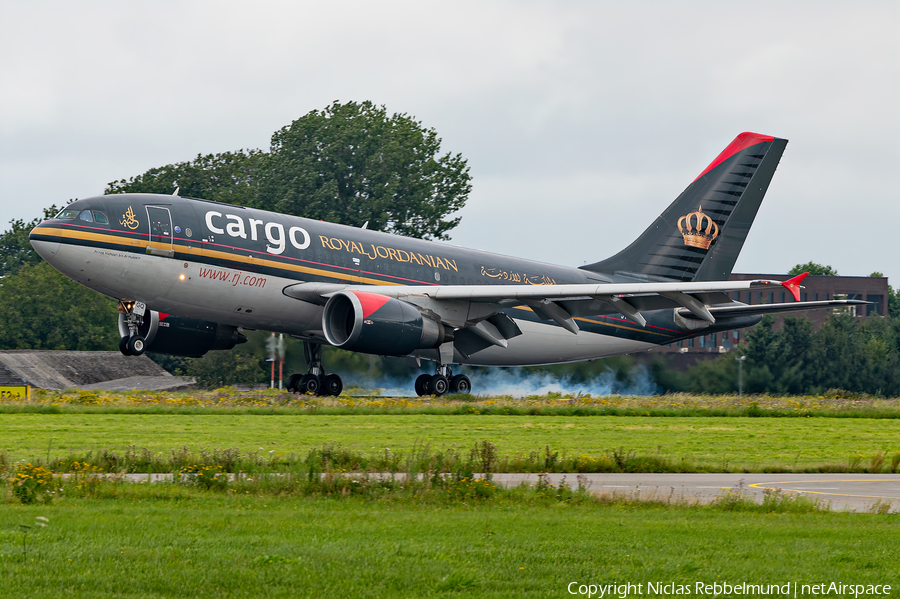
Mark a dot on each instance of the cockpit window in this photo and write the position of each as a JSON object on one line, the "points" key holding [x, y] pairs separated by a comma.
{"points": [[68, 213], [86, 215], [100, 218]]}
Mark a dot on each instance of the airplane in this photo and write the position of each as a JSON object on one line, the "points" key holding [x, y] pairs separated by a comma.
{"points": [[190, 275]]}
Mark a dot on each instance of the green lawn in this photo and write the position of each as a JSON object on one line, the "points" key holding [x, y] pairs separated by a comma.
{"points": [[247, 546], [735, 442]]}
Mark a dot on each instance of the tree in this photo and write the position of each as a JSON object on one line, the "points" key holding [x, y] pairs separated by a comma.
{"points": [[351, 164], [813, 268], [42, 309], [894, 302], [855, 356], [229, 177], [15, 249], [777, 361]]}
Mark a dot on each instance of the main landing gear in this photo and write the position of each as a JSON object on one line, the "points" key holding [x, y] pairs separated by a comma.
{"points": [[131, 317], [442, 381], [315, 381]]}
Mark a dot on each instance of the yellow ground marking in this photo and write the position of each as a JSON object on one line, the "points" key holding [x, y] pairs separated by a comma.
{"points": [[791, 482]]}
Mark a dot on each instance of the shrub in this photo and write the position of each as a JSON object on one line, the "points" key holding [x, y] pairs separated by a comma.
{"points": [[32, 484]]}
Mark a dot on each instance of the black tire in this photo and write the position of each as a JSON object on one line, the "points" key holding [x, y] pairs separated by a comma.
{"points": [[310, 384], [438, 385], [332, 385], [136, 345], [123, 346], [293, 383], [460, 384], [422, 384]]}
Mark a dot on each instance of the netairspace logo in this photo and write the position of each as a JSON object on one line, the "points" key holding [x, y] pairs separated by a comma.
{"points": [[717, 589], [515, 383]]}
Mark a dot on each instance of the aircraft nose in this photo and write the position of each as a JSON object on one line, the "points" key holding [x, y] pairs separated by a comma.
{"points": [[44, 247]]}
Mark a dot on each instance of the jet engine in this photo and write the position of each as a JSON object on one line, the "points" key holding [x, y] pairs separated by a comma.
{"points": [[180, 336], [376, 324]]}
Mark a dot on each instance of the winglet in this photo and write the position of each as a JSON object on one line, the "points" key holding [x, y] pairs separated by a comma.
{"points": [[793, 285]]}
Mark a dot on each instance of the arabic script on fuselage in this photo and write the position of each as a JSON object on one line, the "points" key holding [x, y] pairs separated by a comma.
{"points": [[129, 220], [515, 277]]}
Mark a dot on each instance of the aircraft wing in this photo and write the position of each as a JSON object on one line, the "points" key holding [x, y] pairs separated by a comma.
{"points": [[499, 293], [454, 304]]}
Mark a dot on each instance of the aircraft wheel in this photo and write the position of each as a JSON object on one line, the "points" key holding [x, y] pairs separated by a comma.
{"points": [[332, 384], [135, 345], [460, 384], [438, 385], [123, 346], [309, 383], [293, 383], [422, 384]]}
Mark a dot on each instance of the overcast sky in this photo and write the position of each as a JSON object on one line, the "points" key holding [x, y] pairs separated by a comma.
{"points": [[580, 121]]}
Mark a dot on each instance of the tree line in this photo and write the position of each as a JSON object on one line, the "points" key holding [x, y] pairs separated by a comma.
{"points": [[860, 356]]}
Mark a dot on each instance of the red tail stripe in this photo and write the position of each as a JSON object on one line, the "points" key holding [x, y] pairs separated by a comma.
{"points": [[741, 142]]}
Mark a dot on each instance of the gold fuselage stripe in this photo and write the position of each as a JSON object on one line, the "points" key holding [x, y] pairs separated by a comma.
{"points": [[202, 250]]}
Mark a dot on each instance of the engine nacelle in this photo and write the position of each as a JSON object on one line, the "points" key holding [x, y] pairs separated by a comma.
{"points": [[376, 324], [180, 336]]}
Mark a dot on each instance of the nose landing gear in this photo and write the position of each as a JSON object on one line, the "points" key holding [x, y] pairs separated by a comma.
{"points": [[131, 317], [132, 346], [315, 381]]}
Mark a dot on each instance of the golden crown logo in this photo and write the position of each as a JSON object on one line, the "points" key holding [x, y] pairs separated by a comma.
{"points": [[698, 229], [129, 220]]}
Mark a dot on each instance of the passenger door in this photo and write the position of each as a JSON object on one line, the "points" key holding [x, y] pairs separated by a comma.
{"points": [[160, 220]]}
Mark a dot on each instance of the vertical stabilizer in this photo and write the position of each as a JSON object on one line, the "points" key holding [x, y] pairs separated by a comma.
{"points": [[701, 233]]}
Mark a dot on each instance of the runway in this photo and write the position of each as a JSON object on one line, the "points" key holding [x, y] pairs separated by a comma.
{"points": [[851, 492], [842, 492]]}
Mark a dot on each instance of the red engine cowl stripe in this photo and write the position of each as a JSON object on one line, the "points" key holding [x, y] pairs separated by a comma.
{"points": [[370, 302]]}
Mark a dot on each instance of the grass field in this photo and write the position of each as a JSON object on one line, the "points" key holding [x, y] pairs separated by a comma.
{"points": [[834, 404], [165, 542], [720, 443], [308, 536]]}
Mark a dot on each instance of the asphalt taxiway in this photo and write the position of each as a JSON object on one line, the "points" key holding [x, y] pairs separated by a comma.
{"points": [[853, 492], [848, 492]]}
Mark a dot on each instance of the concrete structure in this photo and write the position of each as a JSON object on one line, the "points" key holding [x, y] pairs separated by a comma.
{"points": [[58, 370]]}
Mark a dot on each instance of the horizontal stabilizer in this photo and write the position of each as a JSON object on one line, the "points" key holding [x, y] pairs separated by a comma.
{"points": [[751, 310]]}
